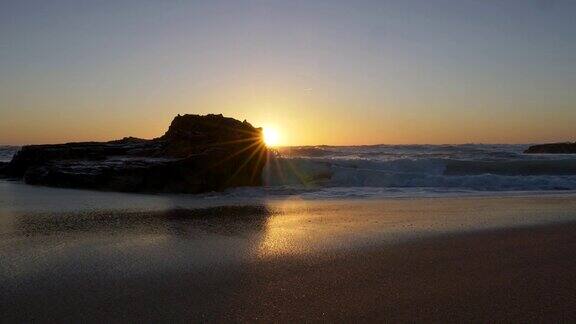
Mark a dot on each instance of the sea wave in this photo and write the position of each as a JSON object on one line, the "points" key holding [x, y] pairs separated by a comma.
{"points": [[349, 171], [423, 173], [6, 152]]}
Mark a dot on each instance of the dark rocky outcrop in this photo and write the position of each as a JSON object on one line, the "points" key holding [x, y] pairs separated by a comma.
{"points": [[554, 148], [196, 154], [3, 167]]}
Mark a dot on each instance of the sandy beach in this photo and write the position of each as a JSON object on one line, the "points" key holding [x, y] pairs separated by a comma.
{"points": [[424, 259]]}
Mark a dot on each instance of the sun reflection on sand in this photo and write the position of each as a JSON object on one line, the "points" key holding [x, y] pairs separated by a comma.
{"points": [[301, 227]]}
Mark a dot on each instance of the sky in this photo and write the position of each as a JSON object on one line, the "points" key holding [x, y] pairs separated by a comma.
{"points": [[319, 72]]}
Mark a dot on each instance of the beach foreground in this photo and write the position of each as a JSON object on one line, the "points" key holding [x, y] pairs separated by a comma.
{"points": [[424, 259]]}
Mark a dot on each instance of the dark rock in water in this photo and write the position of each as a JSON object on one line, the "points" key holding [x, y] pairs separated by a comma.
{"points": [[197, 154], [554, 148], [3, 167]]}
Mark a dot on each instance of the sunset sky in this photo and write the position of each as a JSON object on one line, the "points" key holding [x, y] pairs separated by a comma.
{"points": [[320, 72]]}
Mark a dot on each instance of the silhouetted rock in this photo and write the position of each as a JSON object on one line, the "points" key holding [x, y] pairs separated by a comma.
{"points": [[554, 148], [196, 154]]}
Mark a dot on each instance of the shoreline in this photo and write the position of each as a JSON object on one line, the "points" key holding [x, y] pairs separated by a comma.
{"points": [[75, 256], [504, 274], [238, 196]]}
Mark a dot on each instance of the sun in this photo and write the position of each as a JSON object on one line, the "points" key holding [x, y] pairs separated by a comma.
{"points": [[271, 136]]}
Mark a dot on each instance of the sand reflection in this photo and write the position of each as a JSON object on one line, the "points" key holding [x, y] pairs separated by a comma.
{"points": [[115, 243], [300, 227]]}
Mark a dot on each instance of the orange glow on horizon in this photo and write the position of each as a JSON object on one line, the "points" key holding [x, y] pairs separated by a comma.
{"points": [[271, 136]]}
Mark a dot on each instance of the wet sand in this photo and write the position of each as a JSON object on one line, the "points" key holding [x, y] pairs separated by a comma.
{"points": [[441, 259]]}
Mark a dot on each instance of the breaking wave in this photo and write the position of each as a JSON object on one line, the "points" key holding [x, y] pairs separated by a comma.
{"points": [[406, 170], [467, 167], [6, 152]]}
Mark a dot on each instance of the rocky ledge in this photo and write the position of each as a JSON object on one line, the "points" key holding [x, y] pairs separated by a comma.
{"points": [[554, 148], [197, 154]]}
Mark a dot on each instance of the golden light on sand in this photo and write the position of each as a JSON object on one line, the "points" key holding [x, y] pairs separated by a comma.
{"points": [[271, 136]]}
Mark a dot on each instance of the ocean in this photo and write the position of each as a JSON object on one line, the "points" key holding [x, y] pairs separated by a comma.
{"points": [[405, 170], [6, 152]]}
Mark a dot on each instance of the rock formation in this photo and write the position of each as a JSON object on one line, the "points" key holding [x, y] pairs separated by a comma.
{"points": [[554, 148], [196, 154]]}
